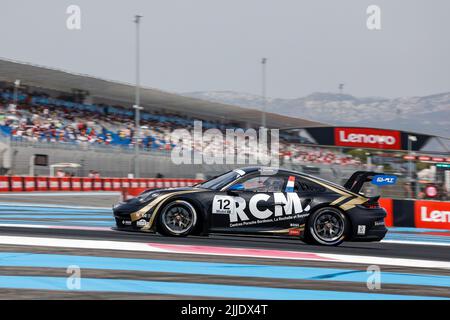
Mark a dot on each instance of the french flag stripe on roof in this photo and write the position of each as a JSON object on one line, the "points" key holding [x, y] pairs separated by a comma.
{"points": [[290, 184]]}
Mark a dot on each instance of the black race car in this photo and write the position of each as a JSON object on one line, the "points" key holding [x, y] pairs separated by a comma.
{"points": [[260, 201]]}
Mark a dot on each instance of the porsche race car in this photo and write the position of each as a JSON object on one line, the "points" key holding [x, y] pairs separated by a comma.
{"points": [[260, 201]]}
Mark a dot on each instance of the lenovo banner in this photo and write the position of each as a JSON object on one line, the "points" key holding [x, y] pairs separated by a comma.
{"points": [[367, 138], [432, 214], [361, 137]]}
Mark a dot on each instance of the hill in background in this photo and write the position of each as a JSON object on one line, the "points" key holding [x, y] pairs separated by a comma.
{"points": [[429, 114]]}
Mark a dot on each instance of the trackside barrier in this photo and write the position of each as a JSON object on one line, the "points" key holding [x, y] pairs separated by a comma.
{"points": [[151, 183], [87, 184], [142, 183], [131, 192], [431, 214], [98, 185], [107, 184], [134, 183], [65, 184], [128, 193], [4, 184], [76, 184], [16, 184], [387, 205], [42, 184], [29, 183], [417, 213], [116, 184], [167, 183], [159, 183], [53, 184], [174, 183], [125, 183]]}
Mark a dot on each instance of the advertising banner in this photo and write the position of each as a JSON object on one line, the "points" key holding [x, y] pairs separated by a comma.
{"points": [[432, 214], [367, 138]]}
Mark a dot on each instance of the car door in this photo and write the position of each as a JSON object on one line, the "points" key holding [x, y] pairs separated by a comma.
{"points": [[251, 205], [306, 191]]}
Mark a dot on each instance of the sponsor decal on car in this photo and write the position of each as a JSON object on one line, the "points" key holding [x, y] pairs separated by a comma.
{"points": [[287, 206], [369, 138], [294, 232], [141, 223], [361, 230], [223, 205], [290, 184], [384, 180]]}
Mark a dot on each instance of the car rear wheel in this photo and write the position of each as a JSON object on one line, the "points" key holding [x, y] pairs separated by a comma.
{"points": [[178, 218], [327, 226]]}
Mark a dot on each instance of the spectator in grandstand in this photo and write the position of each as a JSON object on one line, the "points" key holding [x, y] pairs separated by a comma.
{"points": [[60, 173]]}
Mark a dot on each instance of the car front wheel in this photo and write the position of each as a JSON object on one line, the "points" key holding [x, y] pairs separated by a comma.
{"points": [[178, 218]]}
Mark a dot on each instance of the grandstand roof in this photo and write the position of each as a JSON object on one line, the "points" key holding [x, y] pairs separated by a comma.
{"points": [[60, 80]]}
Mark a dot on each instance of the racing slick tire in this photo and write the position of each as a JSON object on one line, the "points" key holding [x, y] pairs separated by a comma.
{"points": [[178, 219], [327, 226]]}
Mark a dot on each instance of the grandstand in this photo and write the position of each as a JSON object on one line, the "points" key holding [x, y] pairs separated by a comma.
{"points": [[64, 114], [107, 92]]}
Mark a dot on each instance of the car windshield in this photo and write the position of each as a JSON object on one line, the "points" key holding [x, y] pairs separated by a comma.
{"points": [[219, 182]]}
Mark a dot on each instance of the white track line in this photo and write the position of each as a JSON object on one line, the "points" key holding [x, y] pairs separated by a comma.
{"points": [[44, 205], [77, 243], [390, 261], [62, 227], [418, 243], [55, 227], [218, 251]]}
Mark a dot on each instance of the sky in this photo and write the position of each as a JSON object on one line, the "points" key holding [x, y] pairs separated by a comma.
{"points": [[205, 45]]}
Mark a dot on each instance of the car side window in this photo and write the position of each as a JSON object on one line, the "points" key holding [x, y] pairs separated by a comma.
{"points": [[304, 185], [264, 184]]}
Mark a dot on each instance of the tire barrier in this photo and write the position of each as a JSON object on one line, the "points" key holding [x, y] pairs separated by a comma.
{"points": [[16, 184], [4, 184], [76, 184], [42, 183], [87, 184], [65, 184], [98, 184], [107, 184], [28, 183], [116, 184], [53, 184]]}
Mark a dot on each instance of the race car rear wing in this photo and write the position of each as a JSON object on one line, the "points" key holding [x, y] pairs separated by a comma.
{"points": [[357, 180]]}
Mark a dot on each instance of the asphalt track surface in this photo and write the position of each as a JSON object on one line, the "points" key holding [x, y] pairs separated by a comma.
{"points": [[40, 270]]}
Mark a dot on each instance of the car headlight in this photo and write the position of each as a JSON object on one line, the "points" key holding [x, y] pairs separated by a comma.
{"points": [[118, 204], [148, 196]]}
